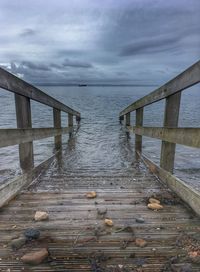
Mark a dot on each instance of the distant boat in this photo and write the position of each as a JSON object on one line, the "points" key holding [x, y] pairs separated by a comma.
{"points": [[82, 85]]}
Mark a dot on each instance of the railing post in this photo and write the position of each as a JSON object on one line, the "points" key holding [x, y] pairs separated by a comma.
{"points": [[121, 118], [78, 119], [70, 123], [23, 118], [57, 124], [172, 107], [139, 123], [128, 119]]}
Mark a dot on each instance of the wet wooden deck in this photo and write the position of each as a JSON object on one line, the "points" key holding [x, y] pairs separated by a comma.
{"points": [[77, 238]]}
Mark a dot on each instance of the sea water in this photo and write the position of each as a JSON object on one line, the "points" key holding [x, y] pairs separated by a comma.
{"points": [[101, 142]]}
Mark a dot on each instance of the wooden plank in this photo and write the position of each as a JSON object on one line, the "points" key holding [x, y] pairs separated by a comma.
{"points": [[70, 120], [139, 123], [12, 187], [23, 116], [10, 137], [170, 121], [186, 79], [121, 118], [183, 136], [186, 193], [16, 85], [128, 119], [78, 119], [70, 123], [57, 124], [75, 235]]}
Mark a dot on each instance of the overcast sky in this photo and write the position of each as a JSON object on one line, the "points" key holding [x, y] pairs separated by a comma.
{"points": [[99, 41]]}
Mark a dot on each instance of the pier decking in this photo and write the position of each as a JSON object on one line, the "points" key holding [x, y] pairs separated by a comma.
{"points": [[77, 238], [75, 234]]}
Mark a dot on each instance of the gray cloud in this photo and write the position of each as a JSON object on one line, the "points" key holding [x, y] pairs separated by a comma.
{"points": [[57, 66], [76, 64], [152, 45], [27, 32], [69, 52], [91, 41], [35, 66]]}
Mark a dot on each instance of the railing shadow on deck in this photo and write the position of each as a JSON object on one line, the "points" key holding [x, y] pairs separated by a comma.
{"points": [[170, 133], [24, 134]]}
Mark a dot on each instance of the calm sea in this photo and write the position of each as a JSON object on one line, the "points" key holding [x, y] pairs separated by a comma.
{"points": [[101, 142]]}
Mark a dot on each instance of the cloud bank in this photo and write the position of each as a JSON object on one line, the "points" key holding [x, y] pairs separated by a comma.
{"points": [[107, 42]]}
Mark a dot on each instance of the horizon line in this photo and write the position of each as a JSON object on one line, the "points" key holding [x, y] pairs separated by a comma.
{"points": [[91, 85]]}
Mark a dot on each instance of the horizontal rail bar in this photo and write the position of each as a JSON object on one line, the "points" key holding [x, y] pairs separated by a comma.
{"points": [[10, 137], [186, 192], [186, 79], [183, 136], [16, 85]]}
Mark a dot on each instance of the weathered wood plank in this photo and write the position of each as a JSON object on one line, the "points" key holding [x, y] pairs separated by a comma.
{"points": [[172, 107], [23, 116], [187, 193], [128, 119], [14, 136], [182, 136], [16, 85], [74, 233], [121, 118], [70, 123], [57, 124], [138, 123], [70, 120], [184, 80], [12, 187]]}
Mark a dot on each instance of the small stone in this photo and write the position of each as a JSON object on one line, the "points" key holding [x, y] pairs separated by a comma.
{"points": [[155, 206], [91, 194], [35, 257], [153, 200], [140, 242], [18, 243], [193, 254], [140, 220], [32, 234], [39, 216], [186, 268], [101, 211], [108, 222], [174, 260], [140, 261]]}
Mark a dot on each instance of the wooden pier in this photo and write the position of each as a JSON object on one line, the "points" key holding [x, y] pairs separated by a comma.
{"points": [[76, 236]]}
